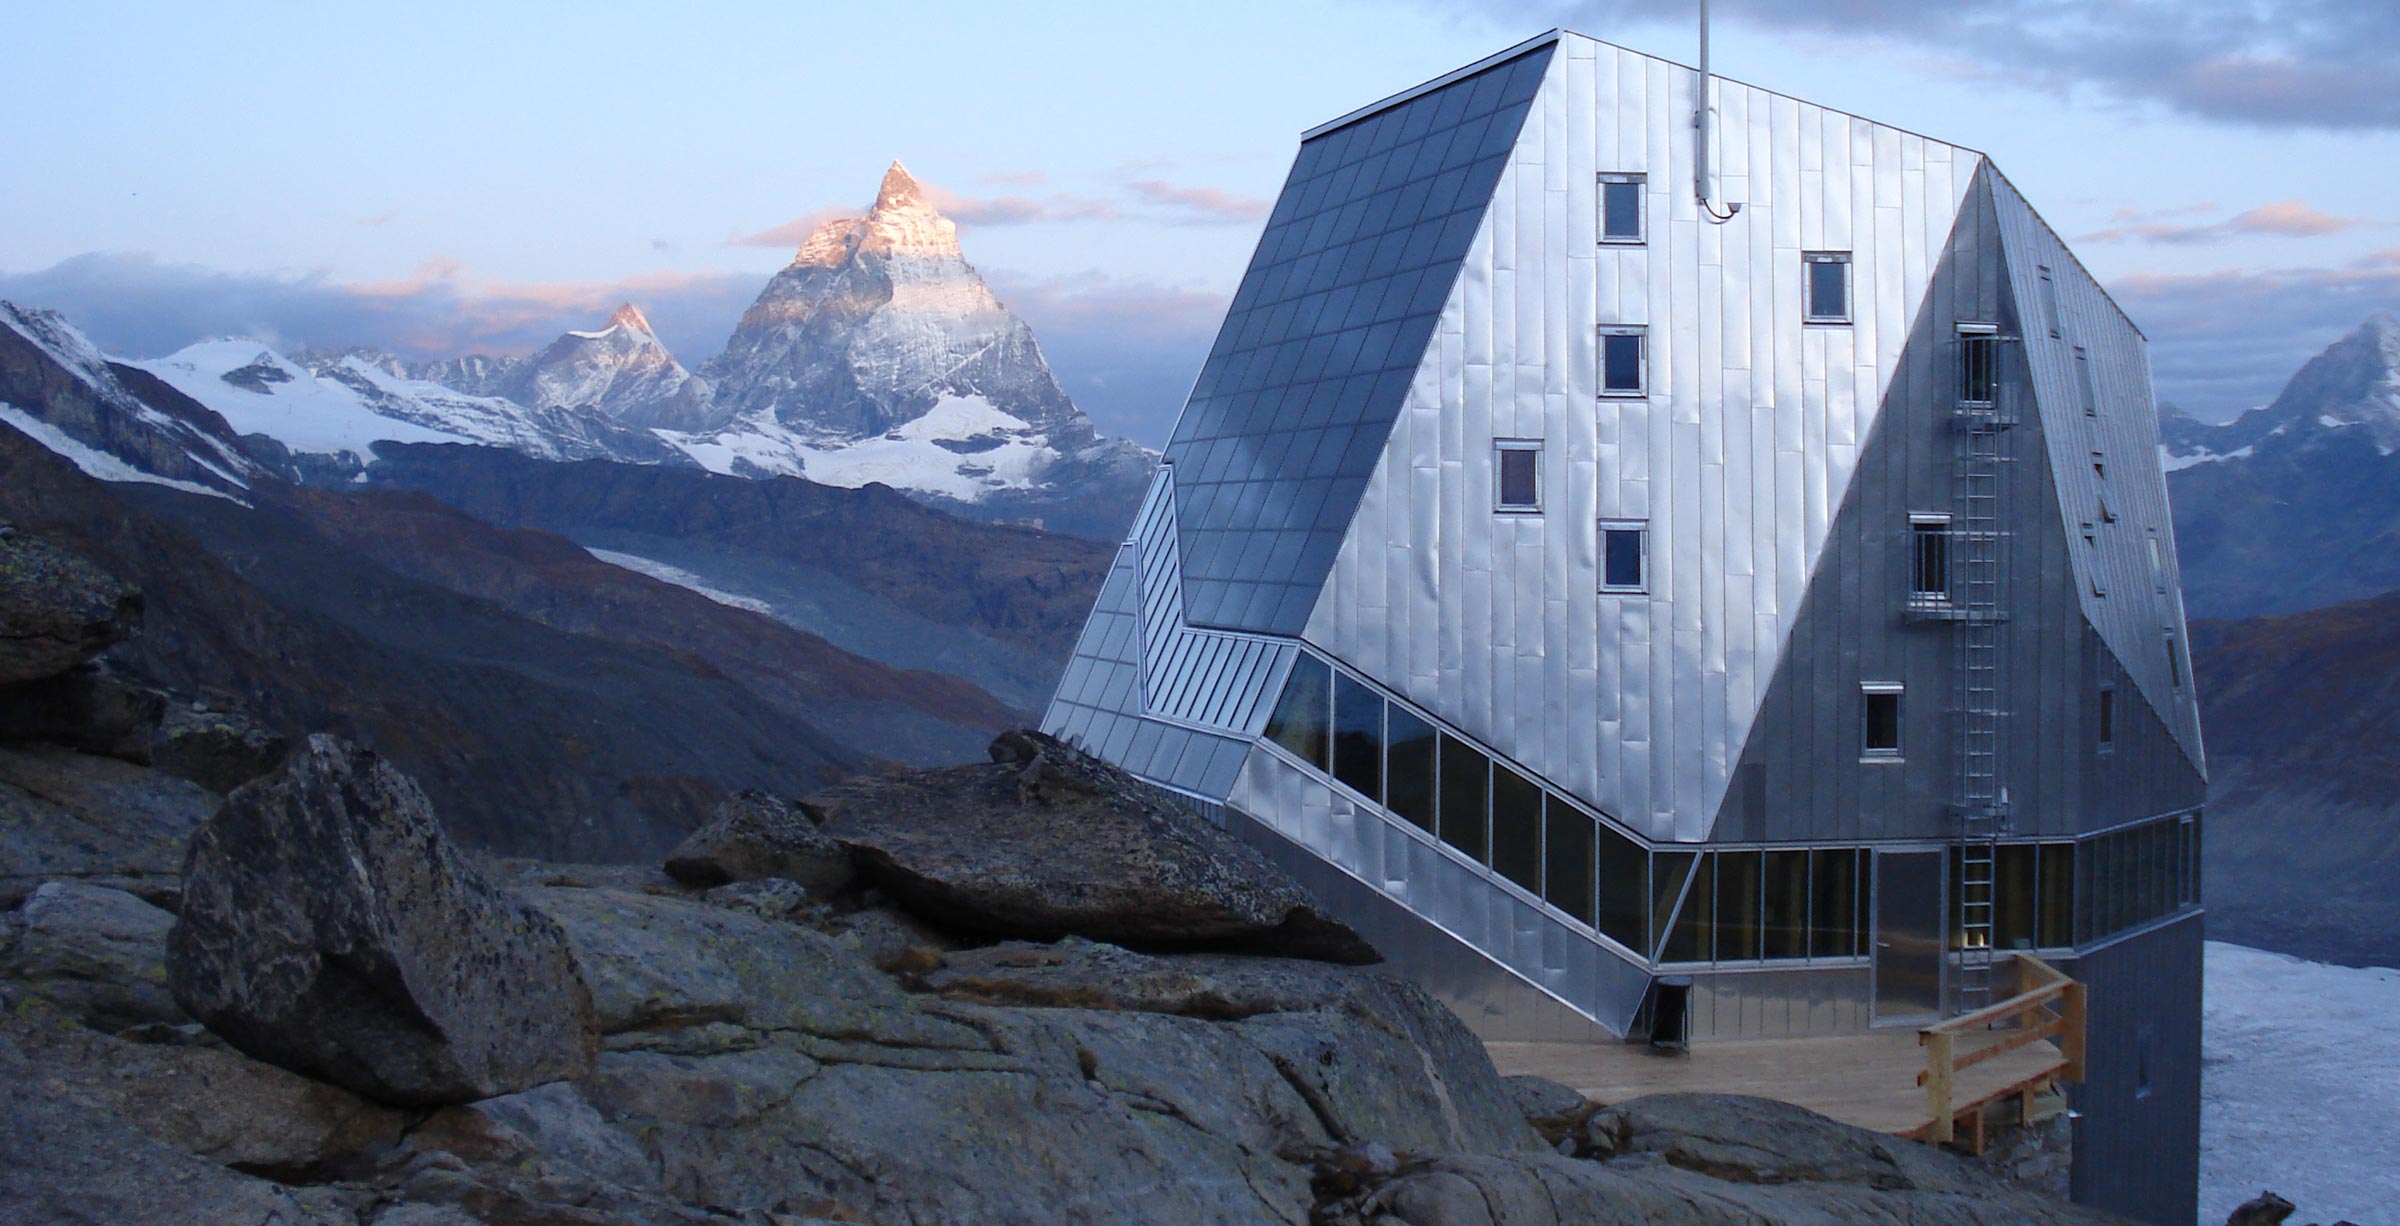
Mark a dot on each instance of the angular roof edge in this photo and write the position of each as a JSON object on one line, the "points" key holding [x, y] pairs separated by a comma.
{"points": [[1538, 40]]}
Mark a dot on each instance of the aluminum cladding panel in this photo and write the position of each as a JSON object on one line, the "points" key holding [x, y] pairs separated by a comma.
{"points": [[1292, 408]]}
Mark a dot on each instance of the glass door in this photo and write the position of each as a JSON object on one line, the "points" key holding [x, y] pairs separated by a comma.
{"points": [[1910, 885]]}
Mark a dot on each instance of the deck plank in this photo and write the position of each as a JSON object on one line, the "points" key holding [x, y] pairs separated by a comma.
{"points": [[1869, 1081]]}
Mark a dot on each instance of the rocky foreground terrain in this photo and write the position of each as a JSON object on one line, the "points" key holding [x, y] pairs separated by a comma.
{"points": [[247, 978]]}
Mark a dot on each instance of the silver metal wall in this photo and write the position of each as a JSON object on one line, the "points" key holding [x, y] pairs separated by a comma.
{"points": [[1748, 439], [2137, 1145], [2133, 605]]}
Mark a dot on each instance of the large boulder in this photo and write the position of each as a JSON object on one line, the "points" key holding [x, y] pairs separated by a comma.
{"points": [[754, 836], [328, 927], [56, 609], [1047, 842]]}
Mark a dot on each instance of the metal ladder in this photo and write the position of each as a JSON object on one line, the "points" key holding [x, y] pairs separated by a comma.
{"points": [[1982, 462]]}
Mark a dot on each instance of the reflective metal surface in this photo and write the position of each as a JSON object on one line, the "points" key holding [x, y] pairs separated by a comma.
{"points": [[1297, 396], [1911, 930]]}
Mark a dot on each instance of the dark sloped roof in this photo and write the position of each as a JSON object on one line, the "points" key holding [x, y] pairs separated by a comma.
{"points": [[1297, 398]]}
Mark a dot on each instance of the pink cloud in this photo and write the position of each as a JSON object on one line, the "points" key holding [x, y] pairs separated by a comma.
{"points": [[1207, 205], [2281, 219]]}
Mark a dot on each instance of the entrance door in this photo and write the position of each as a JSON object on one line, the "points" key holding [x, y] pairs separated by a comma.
{"points": [[1909, 956]]}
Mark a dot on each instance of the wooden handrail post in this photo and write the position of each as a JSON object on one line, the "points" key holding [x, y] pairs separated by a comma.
{"points": [[1940, 1068], [2070, 1039]]}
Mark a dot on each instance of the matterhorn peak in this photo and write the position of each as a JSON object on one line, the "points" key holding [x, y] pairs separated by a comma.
{"points": [[900, 190], [630, 317]]}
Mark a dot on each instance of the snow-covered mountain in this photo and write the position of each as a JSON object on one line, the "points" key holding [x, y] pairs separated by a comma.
{"points": [[2295, 505], [336, 405], [879, 354], [114, 422], [620, 372]]}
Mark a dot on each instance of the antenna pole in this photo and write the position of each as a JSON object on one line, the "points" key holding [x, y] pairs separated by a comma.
{"points": [[1700, 116]]}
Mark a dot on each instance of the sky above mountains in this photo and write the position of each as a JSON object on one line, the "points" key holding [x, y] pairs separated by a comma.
{"points": [[484, 176]]}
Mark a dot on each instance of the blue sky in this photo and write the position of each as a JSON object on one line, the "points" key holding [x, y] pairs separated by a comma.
{"points": [[448, 177]]}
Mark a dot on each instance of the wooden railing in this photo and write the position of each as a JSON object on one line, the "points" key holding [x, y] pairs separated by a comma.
{"points": [[2048, 1005]]}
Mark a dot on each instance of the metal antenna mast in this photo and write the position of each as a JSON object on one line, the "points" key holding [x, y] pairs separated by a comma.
{"points": [[1703, 119]]}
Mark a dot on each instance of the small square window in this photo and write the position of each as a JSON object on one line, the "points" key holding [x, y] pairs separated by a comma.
{"points": [[1828, 286], [1879, 726], [2107, 721], [1622, 362], [1929, 570], [1621, 208], [1517, 475], [1624, 556]]}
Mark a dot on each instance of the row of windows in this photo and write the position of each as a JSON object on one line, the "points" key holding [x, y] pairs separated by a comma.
{"points": [[1732, 905], [1623, 222]]}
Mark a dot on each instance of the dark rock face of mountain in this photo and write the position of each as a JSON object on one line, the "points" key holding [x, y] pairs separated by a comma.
{"points": [[528, 738], [875, 572], [2303, 718], [53, 379], [2295, 505]]}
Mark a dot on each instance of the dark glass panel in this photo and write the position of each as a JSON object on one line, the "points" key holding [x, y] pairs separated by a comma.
{"points": [[1621, 212], [1737, 906], [1517, 827], [1622, 558], [1833, 904], [1882, 723], [1689, 940], [1567, 859], [1621, 363], [1520, 469], [1408, 789], [1466, 794], [1828, 289], [2013, 901], [1624, 891], [2108, 717], [1668, 871], [1978, 369], [1303, 715], [1932, 577], [2057, 895], [1783, 914], [1358, 736]]}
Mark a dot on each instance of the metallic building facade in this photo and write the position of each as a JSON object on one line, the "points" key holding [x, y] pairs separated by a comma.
{"points": [[1573, 581]]}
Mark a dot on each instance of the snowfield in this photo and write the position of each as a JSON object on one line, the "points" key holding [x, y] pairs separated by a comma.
{"points": [[681, 578], [2301, 1086], [300, 410]]}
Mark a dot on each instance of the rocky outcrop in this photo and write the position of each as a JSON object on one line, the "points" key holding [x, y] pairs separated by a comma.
{"points": [[94, 953], [1048, 841], [56, 608], [67, 816], [755, 836], [327, 927]]}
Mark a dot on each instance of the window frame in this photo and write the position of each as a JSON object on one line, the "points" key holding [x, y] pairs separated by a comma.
{"points": [[2049, 297], [1641, 361], [1502, 447], [1808, 288], [1641, 530], [1984, 338], [1868, 751], [1918, 524], [1641, 208]]}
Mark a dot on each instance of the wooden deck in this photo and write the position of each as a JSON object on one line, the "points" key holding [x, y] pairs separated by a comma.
{"points": [[1871, 1081]]}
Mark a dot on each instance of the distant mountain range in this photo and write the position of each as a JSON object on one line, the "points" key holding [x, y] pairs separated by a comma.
{"points": [[878, 356], [555, 700], [2295, 505]]}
